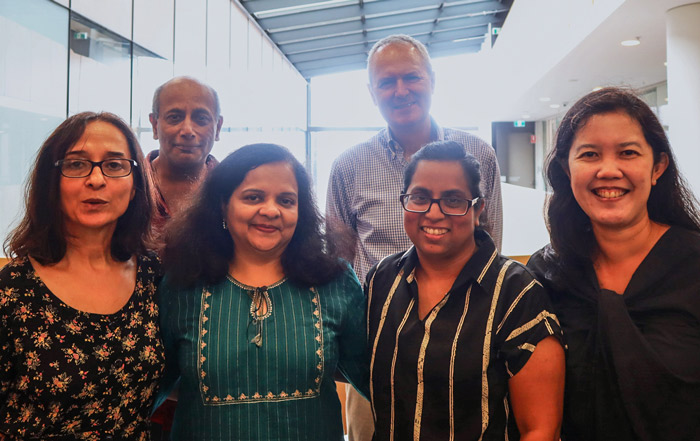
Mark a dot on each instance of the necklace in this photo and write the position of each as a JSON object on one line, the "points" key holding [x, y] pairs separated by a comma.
{"points": [[260, 307]]}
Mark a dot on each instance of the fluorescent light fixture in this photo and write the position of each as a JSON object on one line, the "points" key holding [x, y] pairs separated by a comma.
{"points": [[526, 116], [554, 106], [597, 88], [544, 99], [633, 42]]}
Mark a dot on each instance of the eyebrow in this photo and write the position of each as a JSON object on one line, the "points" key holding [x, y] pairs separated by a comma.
{"points": [[84, 153], [452, 192], [592, 146]]}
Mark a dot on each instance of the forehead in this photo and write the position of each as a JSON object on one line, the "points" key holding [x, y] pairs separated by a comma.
{"points": [[186, 94], [440, 176], [278, 175], [610, 128], [396, 59], [101, 136]]}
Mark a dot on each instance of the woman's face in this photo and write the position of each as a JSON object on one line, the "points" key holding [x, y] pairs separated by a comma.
{"points": [[262, 213], [439, 237], [96, 201], [612, 170]]}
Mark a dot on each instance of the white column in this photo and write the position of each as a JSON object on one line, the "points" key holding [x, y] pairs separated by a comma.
{"points": [[683, 73]]}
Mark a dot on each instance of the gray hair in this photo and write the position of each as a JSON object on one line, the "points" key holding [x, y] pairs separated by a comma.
{"points": [[155, 106], [402, 39]]}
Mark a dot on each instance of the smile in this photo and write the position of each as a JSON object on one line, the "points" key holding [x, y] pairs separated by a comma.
{"points": [[609, 193], [403, 106], [435, 231], [265, 228]]}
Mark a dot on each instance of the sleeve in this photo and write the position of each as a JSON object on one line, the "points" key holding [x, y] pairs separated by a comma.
{"points": [[339, 195], [527, 319], [167, 301], [492, 217], [353, 362]]}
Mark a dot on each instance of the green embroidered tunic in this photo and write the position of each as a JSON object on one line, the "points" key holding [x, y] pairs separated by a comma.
{"points": [[265, 374]]}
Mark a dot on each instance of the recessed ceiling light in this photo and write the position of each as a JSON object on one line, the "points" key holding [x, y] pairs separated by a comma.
{"points": [[554, 106], [526, 116], [544, 99], [633, 42], [665, 63], [597, 88]]}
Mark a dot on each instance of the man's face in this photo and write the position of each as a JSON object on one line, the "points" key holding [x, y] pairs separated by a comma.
{"points": [[186, 125], [401, 86]]}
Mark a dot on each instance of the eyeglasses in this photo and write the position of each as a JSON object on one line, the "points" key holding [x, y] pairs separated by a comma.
{"points": [[418, 203], [111, 168]]}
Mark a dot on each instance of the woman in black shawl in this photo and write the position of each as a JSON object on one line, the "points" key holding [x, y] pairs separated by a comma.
{"points": [[623, 270]]}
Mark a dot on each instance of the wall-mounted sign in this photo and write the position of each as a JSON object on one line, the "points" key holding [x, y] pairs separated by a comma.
{"points": [[518, 123]]}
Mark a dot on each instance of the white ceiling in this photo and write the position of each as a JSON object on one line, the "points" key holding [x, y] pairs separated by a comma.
{"points": [[597, 59]]}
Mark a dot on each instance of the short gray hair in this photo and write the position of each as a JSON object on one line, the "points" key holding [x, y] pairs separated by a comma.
{"points": [[405, 40], [155, 106]]}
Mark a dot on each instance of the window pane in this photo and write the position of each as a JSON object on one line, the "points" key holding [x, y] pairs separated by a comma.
{"points": [[100, 69], [33, 82]]}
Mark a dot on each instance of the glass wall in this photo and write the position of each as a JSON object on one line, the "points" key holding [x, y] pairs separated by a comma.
{"points": [[58, 58], [33, 95]]}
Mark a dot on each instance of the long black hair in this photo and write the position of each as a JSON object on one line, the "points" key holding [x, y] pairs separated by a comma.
{"points": [[199, 249], [670, 202]]}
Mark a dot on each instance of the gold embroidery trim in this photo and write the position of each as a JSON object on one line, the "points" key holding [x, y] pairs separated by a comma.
{"points": [[257, 396]]}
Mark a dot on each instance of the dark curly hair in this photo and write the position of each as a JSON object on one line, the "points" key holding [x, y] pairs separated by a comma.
{"points": [[40, 234], [670, 202], [198, 249]]}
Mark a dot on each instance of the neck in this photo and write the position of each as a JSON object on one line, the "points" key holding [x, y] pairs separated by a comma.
{"points": [[618, 245], [412, 138], [256, 271], [445, 269], [165, 171], [89, 248]]}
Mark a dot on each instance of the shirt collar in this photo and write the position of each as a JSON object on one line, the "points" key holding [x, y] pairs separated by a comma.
{"points": [[388, 141]]}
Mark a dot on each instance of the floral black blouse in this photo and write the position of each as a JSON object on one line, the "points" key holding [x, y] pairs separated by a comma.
{"points": [[72, 375]]}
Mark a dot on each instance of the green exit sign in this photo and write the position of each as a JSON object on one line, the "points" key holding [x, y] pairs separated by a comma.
{"points": [[518, 123]]}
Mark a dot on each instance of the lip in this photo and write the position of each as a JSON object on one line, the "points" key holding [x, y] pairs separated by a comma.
{"points": [[265, 228], [434, 232], [94, 201], [401, 106], [609, 193]]}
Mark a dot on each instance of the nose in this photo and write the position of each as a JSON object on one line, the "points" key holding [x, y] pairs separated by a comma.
{"points": [[187, 128], [401, 89], [609, 169], [95, 178], [270, 209], [434, 211]]}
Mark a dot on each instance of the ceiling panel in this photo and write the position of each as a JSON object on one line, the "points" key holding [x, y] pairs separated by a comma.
{"points": [[335, 35]]}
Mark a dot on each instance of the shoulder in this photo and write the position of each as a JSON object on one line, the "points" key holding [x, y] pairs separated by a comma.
{"points": [[344, 284], [361, 153], [474, 145], [149, 265], [151, 156], [387, 268], [14, 272]]}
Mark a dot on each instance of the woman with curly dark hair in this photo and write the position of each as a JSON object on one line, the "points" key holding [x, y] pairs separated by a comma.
{"points": [[622, 269], [80, 352], [257, 312]]}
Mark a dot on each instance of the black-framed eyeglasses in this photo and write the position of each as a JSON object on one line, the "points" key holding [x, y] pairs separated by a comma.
{"points": [[449, 206], [80, 168]]}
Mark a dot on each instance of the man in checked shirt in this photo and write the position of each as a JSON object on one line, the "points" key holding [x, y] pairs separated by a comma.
{"points": [[366, 180]]}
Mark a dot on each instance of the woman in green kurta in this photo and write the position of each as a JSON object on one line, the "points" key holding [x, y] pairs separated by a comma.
{"points": [[257, 312]]}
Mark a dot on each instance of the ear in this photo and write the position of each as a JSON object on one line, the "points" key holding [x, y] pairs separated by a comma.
{"points": [[133, 193], [478, 210], [659, 168], [218, 127], [432, 81], [154, 123]]}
